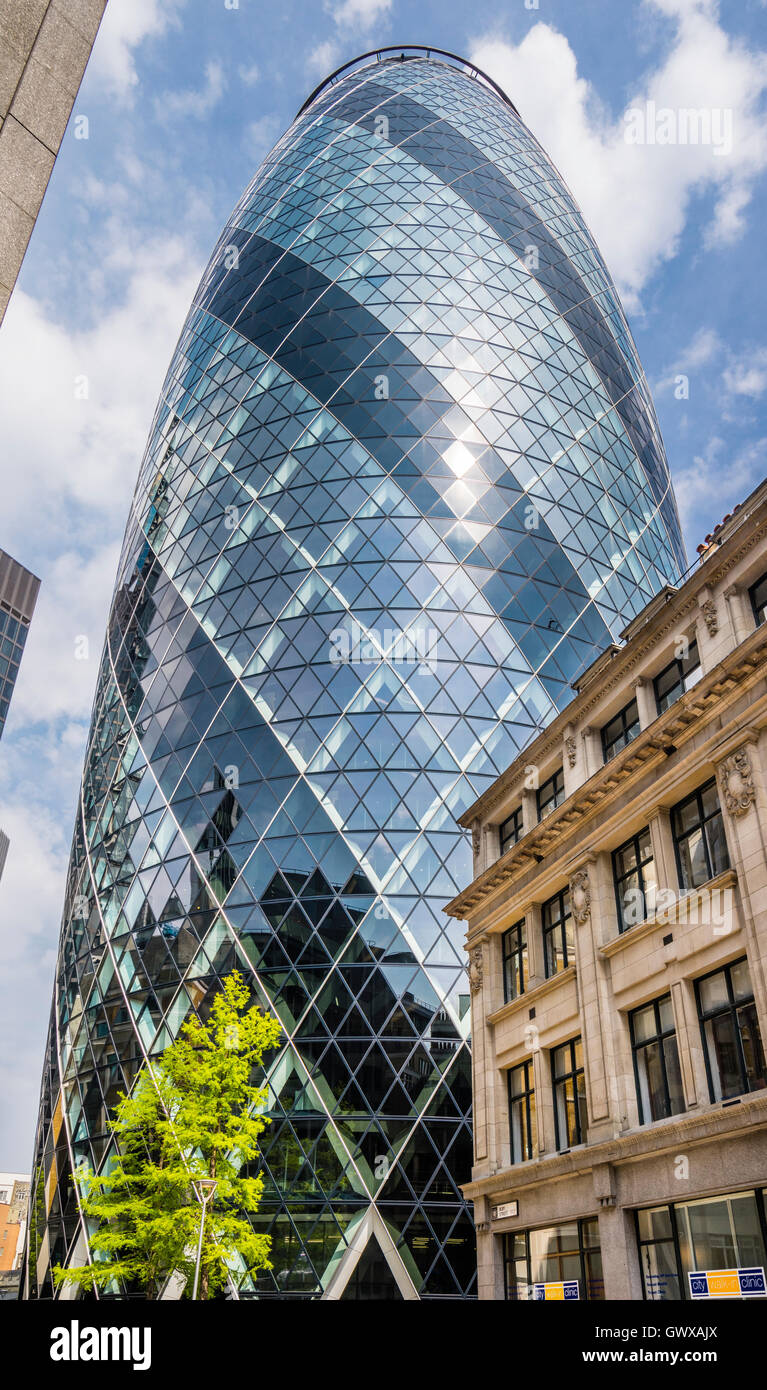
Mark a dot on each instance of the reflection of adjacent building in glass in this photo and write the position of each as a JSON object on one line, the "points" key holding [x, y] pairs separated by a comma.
{"points": [[406, 408], [618, 945]]}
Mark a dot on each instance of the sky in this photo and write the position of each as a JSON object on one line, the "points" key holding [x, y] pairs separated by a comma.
{"points": [[180, 102]]}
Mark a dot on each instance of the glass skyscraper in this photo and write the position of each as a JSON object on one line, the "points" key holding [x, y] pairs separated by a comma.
{"points": [[18, 595], [403, 483]]}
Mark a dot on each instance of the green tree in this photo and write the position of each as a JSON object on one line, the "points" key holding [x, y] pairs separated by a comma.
{"points": [[197, 1115]]}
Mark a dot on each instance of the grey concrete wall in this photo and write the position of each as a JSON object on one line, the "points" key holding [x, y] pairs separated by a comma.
{"points": [[44, 48]]}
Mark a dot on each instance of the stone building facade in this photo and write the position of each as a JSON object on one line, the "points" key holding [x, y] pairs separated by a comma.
{"points": [[617, 939]]}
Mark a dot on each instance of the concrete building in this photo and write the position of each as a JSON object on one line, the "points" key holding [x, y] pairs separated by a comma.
{"points": [[44, 47], [14, 1203], [617, 939]]}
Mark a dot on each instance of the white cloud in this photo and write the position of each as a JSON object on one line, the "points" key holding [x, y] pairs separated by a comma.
{"points": [[636, 197], [259, 137], [148, 189], [728, 222], [66, 497], [38, 854], [126, 24], [704, 346], [687, 8], [31, 897], [324, 58], [716, 473], [57, 676], [70, 471], [249, 74], [352, 19], [741, 373], [746, 375], [76, 459], [195, 102], [359, 15]]}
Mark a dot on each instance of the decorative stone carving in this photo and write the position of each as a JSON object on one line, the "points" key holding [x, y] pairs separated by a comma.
{"points": [[737, 783], [710, 616], [475, 969], [475, 840], [570, 749], [580, 897]]}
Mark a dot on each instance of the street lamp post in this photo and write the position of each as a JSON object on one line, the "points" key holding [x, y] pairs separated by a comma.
{"points": [[204, 1190]]}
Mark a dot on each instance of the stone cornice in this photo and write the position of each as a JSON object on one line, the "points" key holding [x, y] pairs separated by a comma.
{"points": [[696, 1127], [680, 604], [531, 996], [739, 669], [670, 918], [651, 610]]}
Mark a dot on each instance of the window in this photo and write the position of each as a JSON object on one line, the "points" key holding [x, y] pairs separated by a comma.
{"points": [[524, 1137], [698, 829], [634, 878], [551, 794], [553, 1255], [511, 830], [620, 730], [732, 1040], [514, 944], [656, 1061], [724, 1232], [569, 1094], [558, 933], [680, 675], [758, 595]]}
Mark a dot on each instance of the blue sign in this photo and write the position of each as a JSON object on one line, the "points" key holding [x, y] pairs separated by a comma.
{"points": [[557, 1292], [728, 1283]]}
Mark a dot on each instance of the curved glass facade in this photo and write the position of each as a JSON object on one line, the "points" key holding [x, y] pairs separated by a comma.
{"points": [[404, 482]]}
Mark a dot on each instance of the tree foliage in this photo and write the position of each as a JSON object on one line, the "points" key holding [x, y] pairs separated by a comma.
{"points": [[195, 1115]]}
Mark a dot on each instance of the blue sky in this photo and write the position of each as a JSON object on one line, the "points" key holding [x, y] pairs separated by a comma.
{"points": [[182, 99]]}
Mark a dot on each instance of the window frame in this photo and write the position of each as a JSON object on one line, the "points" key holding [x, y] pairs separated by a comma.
{"points": [[557, 782], [683, 1283], [518, 953], [559, 1082], [624, 734], [561, 925], [523, 1100], [730, 1009], [509, 1261], [507, 842], [640, 866], [752, 598], [659, 1036], [697, 795], [678, 663]]}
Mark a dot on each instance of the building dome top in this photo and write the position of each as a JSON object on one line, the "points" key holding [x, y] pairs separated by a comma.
{"points": [[403, 53]]}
